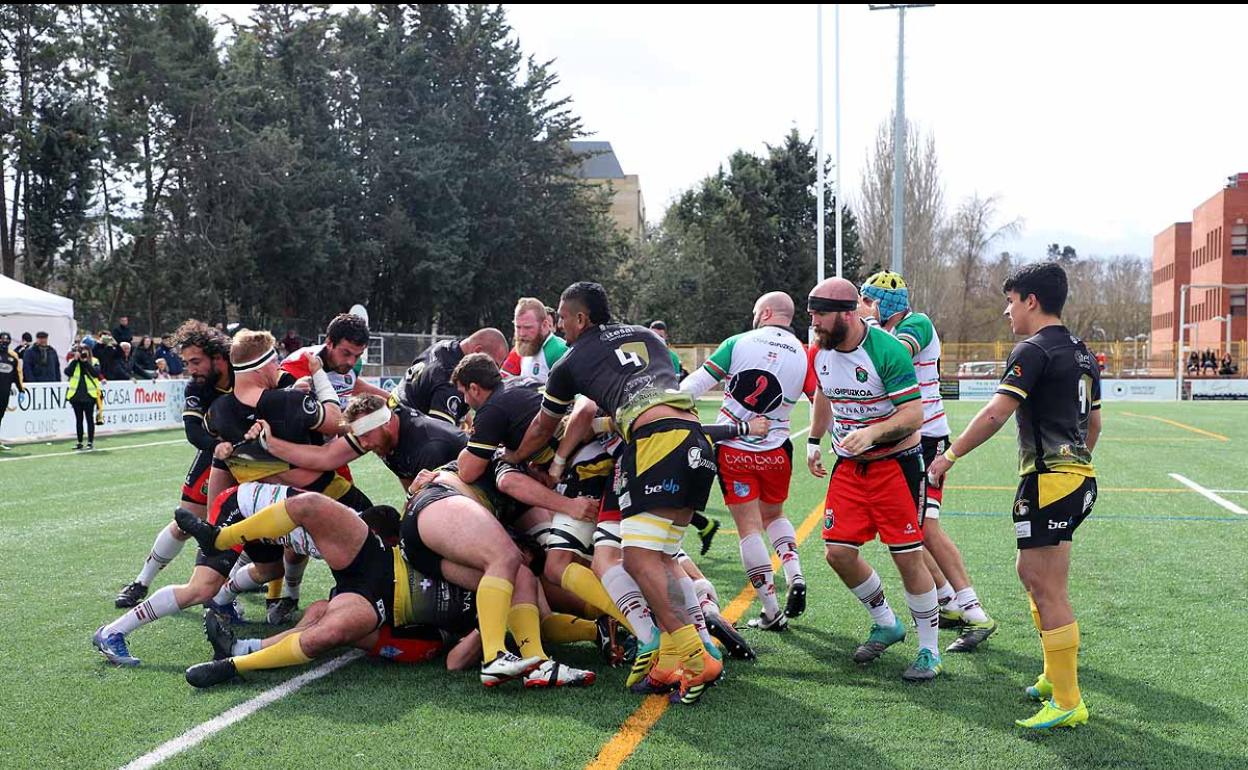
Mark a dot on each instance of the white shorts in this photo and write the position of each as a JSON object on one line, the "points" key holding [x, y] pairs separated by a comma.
{"points": [[569, 534]]}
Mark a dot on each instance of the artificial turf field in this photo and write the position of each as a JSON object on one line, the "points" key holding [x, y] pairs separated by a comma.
{"points": [[1159, 583]]}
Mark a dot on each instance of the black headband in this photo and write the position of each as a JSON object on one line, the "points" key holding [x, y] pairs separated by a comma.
{"points": [[825, 305]]}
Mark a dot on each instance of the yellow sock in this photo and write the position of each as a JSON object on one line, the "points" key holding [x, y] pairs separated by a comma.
{"points": [[561, 628], [275, 589], [286, 652], [1061, 664], [270, 522], [689, 648], [493, 606], [669, 659], [526, 628], [582, 581], [1035, 613], [1035, 619]]}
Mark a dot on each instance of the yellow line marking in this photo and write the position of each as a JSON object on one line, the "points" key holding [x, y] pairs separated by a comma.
{"points": [[1191, 428], [634, 730]]}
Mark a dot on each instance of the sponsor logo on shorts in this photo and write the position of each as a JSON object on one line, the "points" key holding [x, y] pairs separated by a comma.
{"points": [[1058, 524], [909, 529], [381, 608], [1022, 529], [626, 500], [740, 489], [696, 460], [666, 487], [389, 652], [755, 459], [1088, 499], [829, 518], [1021, 509]]}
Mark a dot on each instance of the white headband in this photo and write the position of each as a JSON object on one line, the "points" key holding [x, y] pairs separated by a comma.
{"points": [[249, 366], [371, 421]]}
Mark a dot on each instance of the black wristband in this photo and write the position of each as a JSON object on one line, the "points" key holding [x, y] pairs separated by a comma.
{"points": [[743, 428], [815, 441]]}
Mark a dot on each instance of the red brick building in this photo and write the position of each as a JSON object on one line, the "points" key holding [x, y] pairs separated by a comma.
{"points": [[1211, 249]]}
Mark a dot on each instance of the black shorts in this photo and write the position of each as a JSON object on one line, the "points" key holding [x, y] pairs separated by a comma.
{"points": [[932, 446], [223, 561], [1049, 507], [418, 555], [371, 575], [195, 488], [450, 608], [668, 464]]}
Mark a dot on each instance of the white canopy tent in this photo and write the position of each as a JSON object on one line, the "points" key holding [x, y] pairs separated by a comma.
{"points": [[27, 309]]}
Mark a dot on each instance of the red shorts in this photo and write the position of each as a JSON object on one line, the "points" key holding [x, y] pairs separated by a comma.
{"points": [[195, 487], [883, 497], [609, 507], [746, 475], [404, 649]]}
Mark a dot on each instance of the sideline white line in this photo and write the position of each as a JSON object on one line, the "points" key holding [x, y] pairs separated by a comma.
{"points": [[240, 712], [800, 432], [1222, 501], [100, 449]]}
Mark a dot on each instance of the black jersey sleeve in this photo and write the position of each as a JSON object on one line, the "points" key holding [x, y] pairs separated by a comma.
{"points": [[446, 404], [303, 410], [489, 431], [1022, 370], [197, 434], [286, 380], [560, 389]]}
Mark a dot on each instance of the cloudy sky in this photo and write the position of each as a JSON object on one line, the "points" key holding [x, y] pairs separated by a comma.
{"points": [[1098, 126]]}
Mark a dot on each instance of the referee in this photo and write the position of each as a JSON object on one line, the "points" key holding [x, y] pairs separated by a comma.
{"points": [[1053, 387]]}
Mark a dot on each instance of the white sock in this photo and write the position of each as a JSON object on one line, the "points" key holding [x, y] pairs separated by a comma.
{"points": [[757, 563], [707, 596], [241, 581], [158, 605], [945, 594], [294, 576], [245, 647], [871, 594], [784, 540], [164, 550], [693, 608], [969, 603], [627, 596], [926, 613]]}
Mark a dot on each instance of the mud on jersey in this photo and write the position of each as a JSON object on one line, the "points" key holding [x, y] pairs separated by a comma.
{"points": [[624, 369], [767, 372], [865, 385]]}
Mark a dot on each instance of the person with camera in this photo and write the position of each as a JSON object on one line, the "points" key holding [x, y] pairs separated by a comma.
{"points": [[84, 391]]}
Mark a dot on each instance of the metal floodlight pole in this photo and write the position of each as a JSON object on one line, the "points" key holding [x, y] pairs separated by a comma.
{"points": [[821, 184], [899, 131], [836, 91]]}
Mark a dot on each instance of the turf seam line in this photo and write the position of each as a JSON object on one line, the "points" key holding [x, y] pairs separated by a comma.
{"points": [[202, 732], [1222, 501], [1177, 424], [93, 451]]}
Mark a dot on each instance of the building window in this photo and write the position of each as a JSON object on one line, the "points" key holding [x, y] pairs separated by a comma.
{"points": [[1239, 302], [1239, 240]]}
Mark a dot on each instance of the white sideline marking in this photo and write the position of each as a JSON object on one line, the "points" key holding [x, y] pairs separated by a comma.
{"points": [[800, 432], [1222, 501], [240, 712], [99, 449]]}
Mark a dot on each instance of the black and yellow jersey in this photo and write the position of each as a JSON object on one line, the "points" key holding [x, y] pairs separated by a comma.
{"points": [[292, 415], [505, 417], [1058, 384], [424, 444], [624, 369], [427, 388]]}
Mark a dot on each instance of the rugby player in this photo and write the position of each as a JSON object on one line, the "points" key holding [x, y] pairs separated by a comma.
{"points": [[767, 372], [1052, 386], [206, 353], [869, 395], [665, 470], [537, 347], [427, 388], [346, 339], [886, 298]]}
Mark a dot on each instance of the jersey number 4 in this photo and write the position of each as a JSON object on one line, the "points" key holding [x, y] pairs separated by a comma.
{"points": [[632, 354]]}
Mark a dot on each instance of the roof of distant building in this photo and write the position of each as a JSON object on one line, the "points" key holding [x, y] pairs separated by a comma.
{"points": [[598, 161]]}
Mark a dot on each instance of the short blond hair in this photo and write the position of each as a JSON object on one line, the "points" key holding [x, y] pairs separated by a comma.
{"points": [[249, 345], [532, 305], [358, 406]]}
